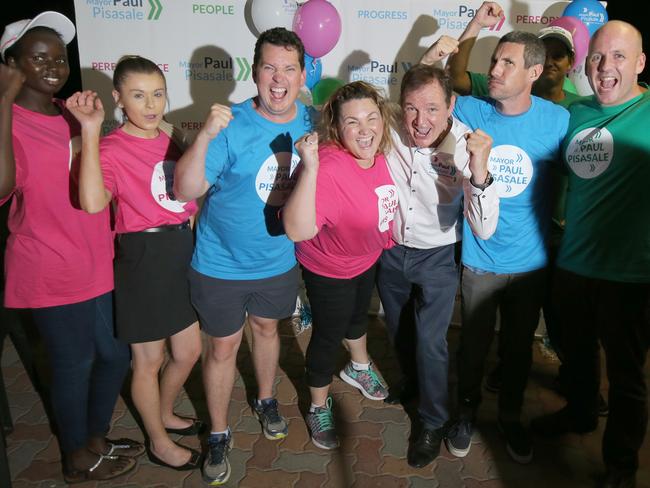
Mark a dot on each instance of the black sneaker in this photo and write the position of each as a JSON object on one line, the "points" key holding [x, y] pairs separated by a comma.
{"points": [[518, 441], [426, 448], [216, 468], [559, 423], [274, 426], [459, 437], [493, 379]]}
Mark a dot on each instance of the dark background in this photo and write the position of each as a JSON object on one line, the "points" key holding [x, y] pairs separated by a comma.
{"points": [[616, 9]]}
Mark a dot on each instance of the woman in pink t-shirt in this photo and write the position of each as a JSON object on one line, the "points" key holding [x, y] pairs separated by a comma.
{"points": [[58, 258], [134, 167], [340, 214]]}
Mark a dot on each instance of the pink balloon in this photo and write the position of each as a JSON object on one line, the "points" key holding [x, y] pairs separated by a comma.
{"points": [[318, 25], [580, 34]]}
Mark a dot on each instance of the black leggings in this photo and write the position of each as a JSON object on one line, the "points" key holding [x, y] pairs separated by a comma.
{"points": [[339, 310]]}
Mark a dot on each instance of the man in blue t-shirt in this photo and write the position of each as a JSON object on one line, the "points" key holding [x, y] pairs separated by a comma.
{"points": [[243, 263], [507, 271]]}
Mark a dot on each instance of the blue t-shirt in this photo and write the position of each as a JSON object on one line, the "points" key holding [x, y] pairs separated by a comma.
{"points": [[524, 148], [250, 167]]}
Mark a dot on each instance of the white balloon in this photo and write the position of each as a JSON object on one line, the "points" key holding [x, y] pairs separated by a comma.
{"points": [[273, 13], [579, 78]]}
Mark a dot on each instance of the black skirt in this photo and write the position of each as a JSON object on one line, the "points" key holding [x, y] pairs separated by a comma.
{"points": [[152, 296]]}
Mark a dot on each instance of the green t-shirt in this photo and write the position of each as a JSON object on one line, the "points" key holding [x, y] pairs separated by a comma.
{"points": [[607, 152]]}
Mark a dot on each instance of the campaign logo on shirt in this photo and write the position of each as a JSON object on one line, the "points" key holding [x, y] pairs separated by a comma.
{"points": [[387, 204], [590, 152], [162, 185], [443, 164], [511, 168], [275, 179]]}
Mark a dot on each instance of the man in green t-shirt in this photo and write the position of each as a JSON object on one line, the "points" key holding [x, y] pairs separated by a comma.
{"points": [[602, 285]]}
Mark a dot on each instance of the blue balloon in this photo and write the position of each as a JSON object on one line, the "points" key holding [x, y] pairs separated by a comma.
{"points": [[314, 70], [590, 12]]}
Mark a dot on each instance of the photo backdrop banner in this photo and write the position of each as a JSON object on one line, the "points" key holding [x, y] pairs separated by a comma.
{"points": [[205, 49]]}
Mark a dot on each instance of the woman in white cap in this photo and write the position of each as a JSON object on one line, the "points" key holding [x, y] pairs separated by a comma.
{"points": [[58, 258]]}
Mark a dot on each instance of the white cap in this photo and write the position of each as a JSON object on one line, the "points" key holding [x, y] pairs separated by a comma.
{"points": [[54, 20], [557, 32]]}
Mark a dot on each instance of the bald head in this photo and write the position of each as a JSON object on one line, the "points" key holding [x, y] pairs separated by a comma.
{"points": [[614, 62]]}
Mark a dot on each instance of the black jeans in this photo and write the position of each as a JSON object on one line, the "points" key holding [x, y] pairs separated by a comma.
{"points": [[518, 297], [617, 314], [339, 309]]}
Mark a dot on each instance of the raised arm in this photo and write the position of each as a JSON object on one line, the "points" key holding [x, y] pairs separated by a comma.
{"points": [[11, 82], [189, 175], [488, 14], [299, 213], [481, 198], [89, 111]]}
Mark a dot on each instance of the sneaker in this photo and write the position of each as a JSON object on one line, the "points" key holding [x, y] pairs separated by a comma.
{"points": [[493, 379], [216, 468], [559, 423], [321, 426], [274, 425], [459, 437], [365, 380], [518, 441], [426, 448]]}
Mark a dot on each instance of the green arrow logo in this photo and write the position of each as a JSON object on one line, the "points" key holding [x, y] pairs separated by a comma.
{"points": [[244, 69], [156, 8]]}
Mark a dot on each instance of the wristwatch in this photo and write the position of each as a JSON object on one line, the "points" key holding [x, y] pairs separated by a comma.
{"points": [[488, 181]]}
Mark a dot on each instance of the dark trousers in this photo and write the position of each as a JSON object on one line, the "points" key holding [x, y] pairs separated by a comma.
{"points": [[339, 309], [88, 365], [518, 297], [617, 314], [418, 287]]}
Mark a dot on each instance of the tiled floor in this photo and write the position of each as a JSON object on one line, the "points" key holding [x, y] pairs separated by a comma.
{"points": [[374, 436]]}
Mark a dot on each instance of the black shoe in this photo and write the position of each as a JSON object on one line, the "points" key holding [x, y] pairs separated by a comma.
{"points": [[193, 463], [458, 438], [617, 479], [426, 448], [603, 408], [401, 393], [197, 427], [518, 442], [560, 423], [493, 379]]}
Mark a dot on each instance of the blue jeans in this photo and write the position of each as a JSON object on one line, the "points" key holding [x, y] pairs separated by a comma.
{"points": [[419, 285], [88, 365]]}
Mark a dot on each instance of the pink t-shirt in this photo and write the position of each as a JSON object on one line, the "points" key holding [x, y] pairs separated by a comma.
{"points": [[57, 254], [140, 174], [354, 215]]}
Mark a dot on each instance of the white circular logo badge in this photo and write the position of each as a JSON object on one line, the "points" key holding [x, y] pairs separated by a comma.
{"points": [[275, 179], [162, 187], [590, 152], [511, 168]]}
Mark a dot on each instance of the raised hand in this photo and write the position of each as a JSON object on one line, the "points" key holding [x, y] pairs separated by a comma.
{"points": [[11, 81], [87, 108], [217, 120], [307, 147], [488, 14], [440, 49], [479, 145]]}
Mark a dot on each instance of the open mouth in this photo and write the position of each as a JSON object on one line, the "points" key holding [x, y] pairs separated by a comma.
{"points": [[365, 142], [607, 82], [421, 133], [151, 117], [50, 80], [278, 94]]}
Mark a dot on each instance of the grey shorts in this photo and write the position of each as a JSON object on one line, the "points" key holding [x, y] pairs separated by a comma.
{"points": [[222, 304]]}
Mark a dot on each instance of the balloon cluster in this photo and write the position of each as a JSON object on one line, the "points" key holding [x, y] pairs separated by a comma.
{"points": [[317, 23], [581, 18]]}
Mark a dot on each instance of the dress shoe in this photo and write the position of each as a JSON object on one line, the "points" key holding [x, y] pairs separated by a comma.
{"points": [[426, 448]]}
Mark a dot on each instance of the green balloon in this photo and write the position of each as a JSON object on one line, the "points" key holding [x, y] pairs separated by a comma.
{"points": [[569, 86], [324, 89]]}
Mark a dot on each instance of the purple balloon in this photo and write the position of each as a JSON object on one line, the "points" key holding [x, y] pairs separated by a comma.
{"points": [[580, 34], [318, 24]]}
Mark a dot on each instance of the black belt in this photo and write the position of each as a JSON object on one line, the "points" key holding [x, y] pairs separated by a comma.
{"points": [[167, 228]]}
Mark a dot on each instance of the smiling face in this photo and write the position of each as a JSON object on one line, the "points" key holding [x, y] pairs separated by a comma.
{"points": [[426, 113], [614, 62], [43, 59], [143, 97], [278, 77], [360, 128]]}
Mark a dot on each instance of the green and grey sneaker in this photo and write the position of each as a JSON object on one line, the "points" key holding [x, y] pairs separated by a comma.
{"points": [[216, 468], [274, 425], [321, 426], [367, 381]]}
